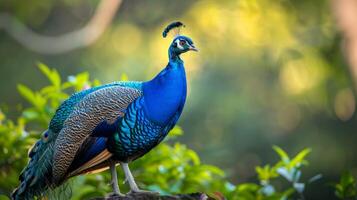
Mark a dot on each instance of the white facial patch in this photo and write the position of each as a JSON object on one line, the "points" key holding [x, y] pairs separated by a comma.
{"points": [[179, 45]]}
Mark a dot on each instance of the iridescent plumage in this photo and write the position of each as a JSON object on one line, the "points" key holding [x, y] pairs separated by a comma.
{"points": [[114, 123]]}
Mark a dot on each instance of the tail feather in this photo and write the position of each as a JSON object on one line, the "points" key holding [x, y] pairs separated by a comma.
{"points": [[36, 178]]}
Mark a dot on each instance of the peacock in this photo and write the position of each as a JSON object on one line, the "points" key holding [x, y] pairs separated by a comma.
{"points": [[109, 125]]}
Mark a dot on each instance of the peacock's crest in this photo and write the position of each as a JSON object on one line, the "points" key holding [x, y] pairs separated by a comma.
{"points": [[176, 26]]}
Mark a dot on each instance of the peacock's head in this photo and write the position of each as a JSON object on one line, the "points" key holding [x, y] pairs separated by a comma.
{"points": [[180, 44]]}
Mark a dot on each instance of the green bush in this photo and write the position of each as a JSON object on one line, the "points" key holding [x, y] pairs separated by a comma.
{"points": [[346, 187], [169, 168]]}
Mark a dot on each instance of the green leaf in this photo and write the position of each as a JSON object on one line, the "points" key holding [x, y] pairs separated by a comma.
{"points": [[80, 81], [299, 158], [283, 155], [176, 131], [212, 169], [346, 188], [27, 93], [194, 157], [96, 83], [2, 116], [52, 75], [30, 114], [124, 77]]}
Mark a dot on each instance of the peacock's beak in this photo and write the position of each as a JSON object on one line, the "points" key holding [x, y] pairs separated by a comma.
{"points": [[193, 48]]}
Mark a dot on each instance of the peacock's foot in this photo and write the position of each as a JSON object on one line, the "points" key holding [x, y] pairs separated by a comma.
{"points": [[114, 194], [144, 192]]}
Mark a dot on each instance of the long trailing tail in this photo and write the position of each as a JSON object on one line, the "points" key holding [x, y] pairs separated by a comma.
{"points": [[36, 177]]}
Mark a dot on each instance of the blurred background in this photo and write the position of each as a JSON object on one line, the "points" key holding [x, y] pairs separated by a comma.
{"points": [[268, 72]]}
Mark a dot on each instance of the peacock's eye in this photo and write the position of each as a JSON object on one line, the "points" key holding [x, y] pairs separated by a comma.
{"points": [[182, 42]]}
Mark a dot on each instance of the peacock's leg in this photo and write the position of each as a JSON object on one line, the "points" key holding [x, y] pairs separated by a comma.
{"points": [[114, 182], [129, 177]]}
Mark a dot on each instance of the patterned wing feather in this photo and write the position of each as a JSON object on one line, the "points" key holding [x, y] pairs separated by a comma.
{"points": [[106, 104], [67, 106]]}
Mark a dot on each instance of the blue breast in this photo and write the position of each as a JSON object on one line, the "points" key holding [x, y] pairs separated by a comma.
{"points": [[165, 95]]}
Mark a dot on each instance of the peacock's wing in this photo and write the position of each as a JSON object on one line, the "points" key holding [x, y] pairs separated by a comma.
{"points": [[67, 107], [103, 105]]}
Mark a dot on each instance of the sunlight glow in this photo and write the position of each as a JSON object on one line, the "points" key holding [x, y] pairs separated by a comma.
{"points": [[303, 74], [345, 104]]}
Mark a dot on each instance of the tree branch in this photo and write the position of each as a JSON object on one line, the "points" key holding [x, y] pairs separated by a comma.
{"points": [[153, 196], [85, 36]]}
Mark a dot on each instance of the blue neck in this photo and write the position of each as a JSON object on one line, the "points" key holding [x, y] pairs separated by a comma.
{"points": [[173, 56], [165, 95]]}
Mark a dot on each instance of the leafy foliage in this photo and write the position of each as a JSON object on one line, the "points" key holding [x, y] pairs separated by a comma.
{"points": [[286, 168], [169, 168], [346, 188]]}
